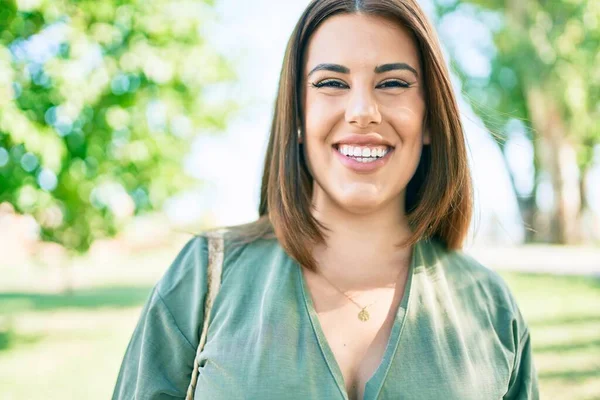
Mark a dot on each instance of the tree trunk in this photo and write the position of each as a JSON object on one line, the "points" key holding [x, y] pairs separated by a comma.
{"points": [[587, 218], [554, 152], [557, 157]]}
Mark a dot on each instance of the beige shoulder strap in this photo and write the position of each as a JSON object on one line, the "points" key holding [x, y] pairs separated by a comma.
{"points": [[213, 269]]}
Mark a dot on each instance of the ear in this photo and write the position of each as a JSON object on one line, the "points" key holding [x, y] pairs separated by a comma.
{"points": [[299, 133], [426, 136]]}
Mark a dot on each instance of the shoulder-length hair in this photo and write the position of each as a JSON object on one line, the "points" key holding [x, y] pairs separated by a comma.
{"points": [[438, 197]]}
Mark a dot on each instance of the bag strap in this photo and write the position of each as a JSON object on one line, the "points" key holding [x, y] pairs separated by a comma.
{"points": [[214, 269]]}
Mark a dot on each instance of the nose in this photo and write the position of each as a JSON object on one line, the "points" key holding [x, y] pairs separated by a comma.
{"points": [[362, 109]]}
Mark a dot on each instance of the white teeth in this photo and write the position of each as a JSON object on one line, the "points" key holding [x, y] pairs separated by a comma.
{"points": [[363, 151]]}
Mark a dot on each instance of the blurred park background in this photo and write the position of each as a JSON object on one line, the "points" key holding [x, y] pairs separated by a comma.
{"points": [[125, 125]]}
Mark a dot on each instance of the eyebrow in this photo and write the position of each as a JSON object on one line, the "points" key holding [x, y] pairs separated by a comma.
{"points": [[378, 70], [396, 66]]}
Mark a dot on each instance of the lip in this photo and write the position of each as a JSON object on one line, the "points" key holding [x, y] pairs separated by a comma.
{"points": [[360, 167], [372, 138]]}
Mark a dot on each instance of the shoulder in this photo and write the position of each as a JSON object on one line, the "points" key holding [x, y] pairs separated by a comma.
{"points": [[465, 273], [183, 287], [188, 265], [473, 291], [189, 268]]}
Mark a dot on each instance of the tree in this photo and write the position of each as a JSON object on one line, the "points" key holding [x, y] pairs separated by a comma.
{"points": [[544, 71], [98, 103]]}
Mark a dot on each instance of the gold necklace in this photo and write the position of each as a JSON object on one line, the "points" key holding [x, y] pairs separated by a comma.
{"points": [[363, 315]]}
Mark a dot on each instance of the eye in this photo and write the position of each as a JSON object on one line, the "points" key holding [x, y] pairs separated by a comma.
{"points": [[331, 83], [395, 84]]}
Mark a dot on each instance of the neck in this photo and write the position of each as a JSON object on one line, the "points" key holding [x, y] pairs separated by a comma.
{"points": [[360, 250]]}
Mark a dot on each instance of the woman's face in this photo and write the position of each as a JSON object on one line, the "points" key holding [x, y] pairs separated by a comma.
{"points": [[364, 109]]}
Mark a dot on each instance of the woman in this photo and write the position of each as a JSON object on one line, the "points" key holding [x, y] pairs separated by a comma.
{"points": [[352, 284]]}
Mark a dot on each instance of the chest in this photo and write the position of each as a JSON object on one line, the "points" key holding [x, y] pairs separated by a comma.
{"points": [[358, 347], [269, 342]]}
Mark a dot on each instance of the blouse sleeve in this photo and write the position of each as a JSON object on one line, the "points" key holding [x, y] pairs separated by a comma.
{"points": [[159, 359], [523, 383]]}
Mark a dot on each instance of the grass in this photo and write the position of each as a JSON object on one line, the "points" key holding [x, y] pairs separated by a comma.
{"points": [[59, 346], [564, 317], [65, 346]]}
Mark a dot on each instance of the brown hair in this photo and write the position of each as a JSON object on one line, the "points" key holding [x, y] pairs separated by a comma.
{"points": [[439, 195]]}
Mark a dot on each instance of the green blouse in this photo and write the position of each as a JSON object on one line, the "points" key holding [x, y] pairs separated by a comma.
{"points": [[458, 333]]}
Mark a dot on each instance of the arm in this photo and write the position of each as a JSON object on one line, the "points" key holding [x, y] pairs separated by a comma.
{"points": [[159, 359], [523, 383]]}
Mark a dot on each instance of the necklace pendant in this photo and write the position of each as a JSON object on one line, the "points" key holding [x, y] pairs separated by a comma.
{"points": [[363, 315]]}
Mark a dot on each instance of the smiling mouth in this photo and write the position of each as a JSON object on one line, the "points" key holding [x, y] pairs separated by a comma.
{"points": [[363, 154]]}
